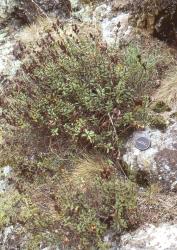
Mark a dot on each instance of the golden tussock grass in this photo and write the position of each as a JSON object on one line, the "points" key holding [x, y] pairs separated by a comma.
{"points": [[36, 31], [87, 169], [167, 92], [33, 32]]}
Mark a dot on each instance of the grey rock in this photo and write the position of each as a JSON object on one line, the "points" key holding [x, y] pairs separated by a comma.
{"points": [[8, 63], [151, 237], [6, 9], [13, 237], [5, 173], [28, 11], [158, 18], [114, 26], [160, 160], [76, 5]]}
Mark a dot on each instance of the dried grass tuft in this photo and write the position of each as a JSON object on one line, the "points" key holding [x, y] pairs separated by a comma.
{"points": [[90, 167], [32, 33], [168, 89]]}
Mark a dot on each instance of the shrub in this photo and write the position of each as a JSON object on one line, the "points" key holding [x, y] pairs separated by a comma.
{"points": [[80, 91], [72, 210], [73, 93], [86, 208], [88, 211]]}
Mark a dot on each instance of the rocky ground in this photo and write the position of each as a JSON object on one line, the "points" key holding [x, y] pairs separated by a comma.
{"points": [[158, 163], [160, 160]]}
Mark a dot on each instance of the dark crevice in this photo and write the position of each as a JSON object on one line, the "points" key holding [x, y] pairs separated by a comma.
{"points": [[166, 27]]}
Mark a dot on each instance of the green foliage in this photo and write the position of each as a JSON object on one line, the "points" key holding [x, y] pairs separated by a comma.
{"points": [[87, 210], [161, 107], [88, 201], [8, 201], [158, 121], [77, 91], [73, 213]]}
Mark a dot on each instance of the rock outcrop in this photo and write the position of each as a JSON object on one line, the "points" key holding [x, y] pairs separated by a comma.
{"points": [[158, 163], [57, 7], [151, 237], [159, 18], [28, 11], [8, 63], [112, 20], [15, 13], [6, 10]]}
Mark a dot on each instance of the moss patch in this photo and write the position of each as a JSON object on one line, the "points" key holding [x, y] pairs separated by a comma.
{"points": [[158, 121], [161, 107]]}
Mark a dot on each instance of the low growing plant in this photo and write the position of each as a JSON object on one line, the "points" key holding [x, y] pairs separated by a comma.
{"points": [[74, 92], [86, 207], [88, 211], [80, 91], [74, 209]]}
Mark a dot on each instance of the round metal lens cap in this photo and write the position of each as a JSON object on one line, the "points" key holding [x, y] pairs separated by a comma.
{"points": [[142, 143]]}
